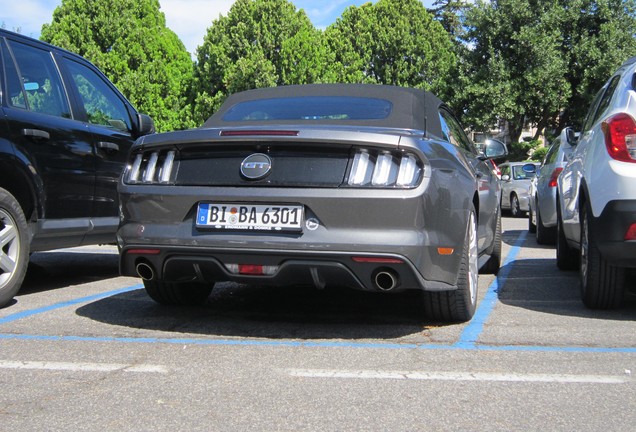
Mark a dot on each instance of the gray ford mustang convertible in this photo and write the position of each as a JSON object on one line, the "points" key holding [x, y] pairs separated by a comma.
{"points": [[370, 187]]}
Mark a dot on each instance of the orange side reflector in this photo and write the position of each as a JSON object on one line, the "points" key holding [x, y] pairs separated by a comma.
{"points": [[445, 251]]}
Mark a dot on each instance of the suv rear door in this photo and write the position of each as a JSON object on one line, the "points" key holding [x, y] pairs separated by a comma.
{"points": [[109, 118]]}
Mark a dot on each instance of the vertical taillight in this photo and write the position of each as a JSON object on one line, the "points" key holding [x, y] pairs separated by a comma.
{"points": [[384, 169], [554, 177], [620, 137]]}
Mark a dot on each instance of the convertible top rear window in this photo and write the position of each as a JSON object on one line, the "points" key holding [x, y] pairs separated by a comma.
{"points": [[310, 108]]}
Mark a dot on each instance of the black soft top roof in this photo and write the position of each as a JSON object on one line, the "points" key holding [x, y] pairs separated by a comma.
{"points": [[411, 108]]}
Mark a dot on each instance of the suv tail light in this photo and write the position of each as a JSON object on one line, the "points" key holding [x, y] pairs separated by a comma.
{"points": [[620, 137], [553, 178]]}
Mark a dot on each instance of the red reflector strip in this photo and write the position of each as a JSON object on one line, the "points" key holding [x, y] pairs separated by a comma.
{"points": [[250, 269], [631, 232], [259, 132], [377, 260], [144, 251]]}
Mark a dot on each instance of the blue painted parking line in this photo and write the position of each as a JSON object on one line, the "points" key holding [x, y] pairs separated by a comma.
{"points": [[475, 327], [28, 313], [325, 344], [468, 340]]}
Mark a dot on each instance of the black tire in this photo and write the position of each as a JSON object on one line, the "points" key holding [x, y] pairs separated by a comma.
{"points": [[178, 294], [515, 209], [532, 228], [14, 247], [545, 235], [602, 284], [493, 264], [458, 305], [566, 257]]}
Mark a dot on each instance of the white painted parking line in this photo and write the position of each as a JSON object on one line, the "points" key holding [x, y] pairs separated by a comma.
{"points": [[459, 376], [81, 367]]}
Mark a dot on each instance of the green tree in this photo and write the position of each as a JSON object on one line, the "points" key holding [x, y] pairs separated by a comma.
{"points": [[394, 42], [129, 41], [260, 43], [540, 61]]}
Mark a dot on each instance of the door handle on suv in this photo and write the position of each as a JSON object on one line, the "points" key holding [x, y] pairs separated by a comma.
{"points": [[109, 147], [36, 134]]}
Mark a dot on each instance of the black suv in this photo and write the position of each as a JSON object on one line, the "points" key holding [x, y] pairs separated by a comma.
{"points": [[65, 132]]}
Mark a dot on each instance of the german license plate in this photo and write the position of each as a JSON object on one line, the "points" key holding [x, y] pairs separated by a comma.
{"points": [[258, 217]]}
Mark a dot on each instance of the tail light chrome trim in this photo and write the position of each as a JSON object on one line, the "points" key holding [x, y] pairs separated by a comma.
{"points": [[384, 169], [151, 167]]}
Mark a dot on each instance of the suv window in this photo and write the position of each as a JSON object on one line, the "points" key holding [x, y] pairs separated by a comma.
{"points": [[600, 103], [102, 105], [38, 86], [454, 133]]}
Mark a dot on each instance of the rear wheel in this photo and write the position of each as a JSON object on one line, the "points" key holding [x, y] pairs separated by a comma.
{"points": [[494, 262], [458, 305], [545, 235], [602, 284], [532, 228], [515, 208], [178, 294], [566, 257], [14, 247]]}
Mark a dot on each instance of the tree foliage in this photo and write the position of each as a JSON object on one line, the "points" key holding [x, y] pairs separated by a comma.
{"points": [[394, 42], [129, 41], [260, 43], [539, 61]]}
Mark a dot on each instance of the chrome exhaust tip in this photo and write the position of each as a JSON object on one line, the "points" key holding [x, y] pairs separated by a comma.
{"points": [[145, 271], [386, 280]]}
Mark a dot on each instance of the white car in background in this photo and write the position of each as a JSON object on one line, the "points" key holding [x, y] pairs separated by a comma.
{"points": [[596, 195], [515, 186]]}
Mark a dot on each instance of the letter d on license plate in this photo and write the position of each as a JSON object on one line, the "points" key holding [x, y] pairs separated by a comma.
{"points": [[260, 217]]}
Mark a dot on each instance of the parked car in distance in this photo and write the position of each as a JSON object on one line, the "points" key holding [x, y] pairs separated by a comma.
{"points": [[515, 185], [65, 133], [596, 194], [369, 187], [542, 216]]}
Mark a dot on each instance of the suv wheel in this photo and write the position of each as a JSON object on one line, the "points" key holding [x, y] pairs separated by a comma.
{"points": [[178, 294], [602, 284], [458, 305], [14, 246]]}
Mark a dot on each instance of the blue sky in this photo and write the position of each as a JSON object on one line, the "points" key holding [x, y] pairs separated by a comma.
{"points": [[189, 19]]}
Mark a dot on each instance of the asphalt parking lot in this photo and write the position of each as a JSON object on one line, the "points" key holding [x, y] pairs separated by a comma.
{"points": [[85, 349]]}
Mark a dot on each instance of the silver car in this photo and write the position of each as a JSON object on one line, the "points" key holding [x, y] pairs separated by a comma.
{"points": [[370, 187], [515, 185], [542, 218]]}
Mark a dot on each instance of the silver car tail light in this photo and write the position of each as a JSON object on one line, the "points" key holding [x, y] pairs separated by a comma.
{"points": [[154, 167], [384, 169]]}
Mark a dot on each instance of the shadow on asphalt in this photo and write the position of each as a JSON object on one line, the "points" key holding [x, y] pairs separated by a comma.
{"points": [[538, 285], [54, 270], [270, 312]]}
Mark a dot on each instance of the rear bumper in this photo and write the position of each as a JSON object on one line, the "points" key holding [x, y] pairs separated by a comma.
{"points": [[354, 270], [610, 228]]}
